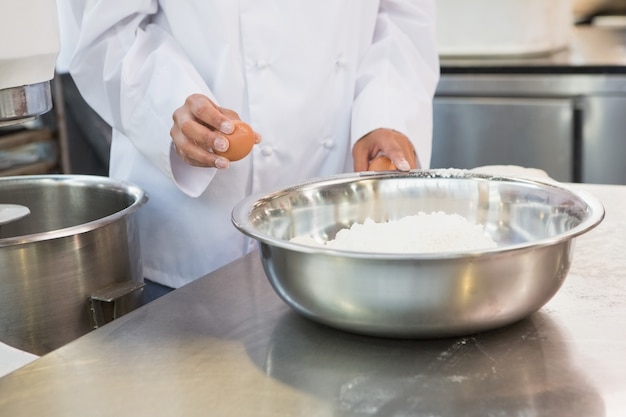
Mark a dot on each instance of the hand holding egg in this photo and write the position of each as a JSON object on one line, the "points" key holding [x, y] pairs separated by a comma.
{"points": [[383, 150], [206, 135]]}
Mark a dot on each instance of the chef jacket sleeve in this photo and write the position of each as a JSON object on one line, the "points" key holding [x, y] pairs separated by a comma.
{"points": [[134, 75], [397, 77]]}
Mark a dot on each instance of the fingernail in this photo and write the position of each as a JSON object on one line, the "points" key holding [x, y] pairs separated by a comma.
{"points": [[221, 163], [220, 144], [226, 127], [404, 165]]}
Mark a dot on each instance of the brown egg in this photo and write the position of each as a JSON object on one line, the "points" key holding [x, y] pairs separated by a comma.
{"points": [[382, 163], [241, 142]]}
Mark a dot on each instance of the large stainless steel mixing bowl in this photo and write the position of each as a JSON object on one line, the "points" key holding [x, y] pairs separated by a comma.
{"points": [[419, 295]]}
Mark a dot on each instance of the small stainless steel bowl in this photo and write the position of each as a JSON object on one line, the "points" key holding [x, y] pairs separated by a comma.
{"points": [[419, 295]]}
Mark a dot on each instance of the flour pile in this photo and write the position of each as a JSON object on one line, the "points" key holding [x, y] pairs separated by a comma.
{"points": [[421, 233]]}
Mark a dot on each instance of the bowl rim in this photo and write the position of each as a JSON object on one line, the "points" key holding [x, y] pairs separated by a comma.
{"points": [[241, 211], [139, 198]]}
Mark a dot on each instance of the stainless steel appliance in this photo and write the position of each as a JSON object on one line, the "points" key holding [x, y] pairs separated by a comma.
{"points": [[29, 45], [73, 264], [569, 125]]}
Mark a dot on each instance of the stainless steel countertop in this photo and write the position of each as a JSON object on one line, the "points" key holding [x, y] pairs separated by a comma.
{"points": [[226, 345]]}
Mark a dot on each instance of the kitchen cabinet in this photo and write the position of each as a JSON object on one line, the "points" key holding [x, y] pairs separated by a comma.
{"points": [[604, 147], [564, 112], [28, 151], [571, 126], [534, 132]]}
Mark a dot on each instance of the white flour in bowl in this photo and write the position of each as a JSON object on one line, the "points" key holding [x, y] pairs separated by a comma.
{"points": [[420, 233]]}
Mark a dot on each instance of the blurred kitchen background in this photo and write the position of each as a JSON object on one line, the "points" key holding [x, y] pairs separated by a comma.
{"points": [[536, 83]]}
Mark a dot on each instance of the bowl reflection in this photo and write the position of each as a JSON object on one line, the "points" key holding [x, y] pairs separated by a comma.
{"points": [[520, 370]]}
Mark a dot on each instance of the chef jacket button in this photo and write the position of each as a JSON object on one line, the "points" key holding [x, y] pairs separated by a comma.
{"points": [[341, 62], [261, 64], [329, 143], [266, 151]]}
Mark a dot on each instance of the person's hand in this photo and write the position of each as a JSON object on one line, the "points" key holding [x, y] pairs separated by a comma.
{"points": [[394, 145], [201, 126]]}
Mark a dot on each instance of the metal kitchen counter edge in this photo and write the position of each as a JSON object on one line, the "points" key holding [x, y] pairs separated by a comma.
{"points": [[594, 63], [227, 345]]}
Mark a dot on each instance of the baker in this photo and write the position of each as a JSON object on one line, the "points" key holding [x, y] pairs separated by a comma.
{"points": [[326, 85]]}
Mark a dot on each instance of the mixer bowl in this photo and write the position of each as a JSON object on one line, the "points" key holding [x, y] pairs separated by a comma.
{"points": [[419, 295], [73, 263]]}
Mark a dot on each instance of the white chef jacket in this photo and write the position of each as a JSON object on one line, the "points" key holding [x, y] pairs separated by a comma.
{"points": [[311, 76]]}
